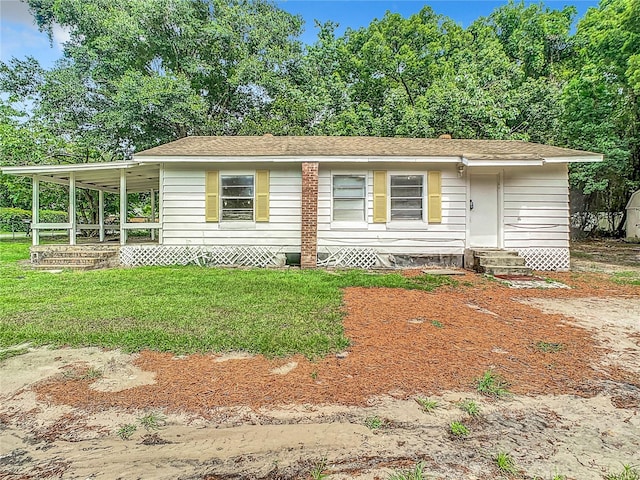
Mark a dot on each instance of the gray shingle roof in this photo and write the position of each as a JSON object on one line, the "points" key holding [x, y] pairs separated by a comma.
{"points": [[318, 146]]}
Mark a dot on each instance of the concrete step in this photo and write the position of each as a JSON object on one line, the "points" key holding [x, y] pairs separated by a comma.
{"points": [[493, 252], [102, 254], [502, 260], [58, 260], [65, 266], [505, 270]]}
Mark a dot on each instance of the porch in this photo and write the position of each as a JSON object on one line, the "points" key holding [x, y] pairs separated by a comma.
{"points": [[120, 178]]}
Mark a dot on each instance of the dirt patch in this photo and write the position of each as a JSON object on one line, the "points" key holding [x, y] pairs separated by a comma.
{"points": [[574, 410]]}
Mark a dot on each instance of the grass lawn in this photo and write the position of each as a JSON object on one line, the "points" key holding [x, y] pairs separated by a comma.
{"points": [[182, 309]]}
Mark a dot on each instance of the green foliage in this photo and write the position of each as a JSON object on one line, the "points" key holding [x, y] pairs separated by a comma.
{"points": [[152, 421], [549, 347], [458, 429], [505, 463], [317, 472], [427, 404], [373, 423], [470, 407], [626, 278], [13, 219], [492, 384], [628, 472], [126, 431], [12, 352], [416, 473]]}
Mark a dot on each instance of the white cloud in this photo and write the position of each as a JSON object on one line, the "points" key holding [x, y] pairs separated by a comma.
{"points": [[60, 35]]}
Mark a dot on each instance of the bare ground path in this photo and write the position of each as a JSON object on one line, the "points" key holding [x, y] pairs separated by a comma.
{"points": [[573, 412]]}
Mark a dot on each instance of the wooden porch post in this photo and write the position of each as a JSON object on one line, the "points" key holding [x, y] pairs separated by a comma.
{"points": [[72, 209], [153, 213], [123, 206], [101, 214], [35, 211]]}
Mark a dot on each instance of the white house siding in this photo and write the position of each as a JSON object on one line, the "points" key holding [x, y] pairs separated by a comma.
{"points": [[536, 215], [183, 208], [415, 238]]}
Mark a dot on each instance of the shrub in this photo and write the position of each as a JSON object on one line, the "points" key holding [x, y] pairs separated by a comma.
{"points": [[13, 219]]}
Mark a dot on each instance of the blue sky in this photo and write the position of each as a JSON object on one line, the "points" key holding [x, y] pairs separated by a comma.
{"points": [[19, 36]]}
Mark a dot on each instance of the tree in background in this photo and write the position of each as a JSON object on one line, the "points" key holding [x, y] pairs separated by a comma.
{"points": [[601, 107], [136, 74]]}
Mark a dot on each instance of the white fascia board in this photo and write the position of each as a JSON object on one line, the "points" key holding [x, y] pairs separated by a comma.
{"points": [[143, 160], [584, 158], [502, 163], [76, 167]]}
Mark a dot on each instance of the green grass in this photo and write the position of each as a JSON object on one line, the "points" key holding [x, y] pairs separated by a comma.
{"points": [[505, 463], [416, 473], [12, 352], [628, 472], [626, 278], [427, 404], [458, 429], [470, 407], [182, 310], [549, 347], [492, 384]]}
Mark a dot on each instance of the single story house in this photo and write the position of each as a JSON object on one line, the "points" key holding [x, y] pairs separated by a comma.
{"points": [[334, 201]]}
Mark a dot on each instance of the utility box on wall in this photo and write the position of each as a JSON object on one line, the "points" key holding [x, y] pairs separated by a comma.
{"points": [[633, 216]]}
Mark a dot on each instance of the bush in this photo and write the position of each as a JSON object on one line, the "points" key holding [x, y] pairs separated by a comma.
{"points": [[13, 219]]}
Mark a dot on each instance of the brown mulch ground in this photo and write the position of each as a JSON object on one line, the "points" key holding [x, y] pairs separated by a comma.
{"points": [[403, 343]]}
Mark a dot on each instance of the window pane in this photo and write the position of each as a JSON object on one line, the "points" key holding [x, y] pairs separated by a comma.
{"points": [[348, 215], [349, 197], [348, 181], [237, 197], [406, 214], [348, 192], [237, 180], [411, 192], [401, 180], [407, 197], [237, 215], [246, 203], [237, 191]]}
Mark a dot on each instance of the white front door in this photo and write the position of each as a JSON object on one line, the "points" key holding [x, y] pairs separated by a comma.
{"points": [[483, 211]]}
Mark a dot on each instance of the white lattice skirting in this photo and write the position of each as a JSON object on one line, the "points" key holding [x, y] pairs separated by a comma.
{"points": [[351, 257], [546, 259], [140, 255]]}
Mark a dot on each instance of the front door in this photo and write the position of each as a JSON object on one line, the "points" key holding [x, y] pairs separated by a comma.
{"points": [[483, 211]]}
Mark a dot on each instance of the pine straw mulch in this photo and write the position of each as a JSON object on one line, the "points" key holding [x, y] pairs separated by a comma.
{"points": [[403, 343]]}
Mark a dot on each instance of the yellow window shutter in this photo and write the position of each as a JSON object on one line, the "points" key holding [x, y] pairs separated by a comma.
{"points": [[435, 197], [262, 196], [212, 195], [380, 196]]}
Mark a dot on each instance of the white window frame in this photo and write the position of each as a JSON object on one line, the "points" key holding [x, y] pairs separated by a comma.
{"points": [[409, 222], [251, 174], [365, 199]]}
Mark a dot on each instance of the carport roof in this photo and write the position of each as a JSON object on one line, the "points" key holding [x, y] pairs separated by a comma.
{"points": [[95, 176]]}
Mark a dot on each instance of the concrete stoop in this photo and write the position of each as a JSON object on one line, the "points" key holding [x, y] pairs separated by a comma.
{"points": [[496, 262], [76, 257]]}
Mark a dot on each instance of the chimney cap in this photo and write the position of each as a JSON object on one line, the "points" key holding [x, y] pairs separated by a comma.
{"points": [[445, 136]]}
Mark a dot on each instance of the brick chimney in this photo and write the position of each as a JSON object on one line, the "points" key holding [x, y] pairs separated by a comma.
{"points": [[309, 230]]}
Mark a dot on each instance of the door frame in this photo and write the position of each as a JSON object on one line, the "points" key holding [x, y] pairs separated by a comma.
{"points": [[499, 173]]}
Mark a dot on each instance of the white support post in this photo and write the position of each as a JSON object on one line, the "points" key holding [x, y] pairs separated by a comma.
{"points": [[101, 214], [160, 201], [35, 211], [73, 221], [153, 213], [123, 206]]}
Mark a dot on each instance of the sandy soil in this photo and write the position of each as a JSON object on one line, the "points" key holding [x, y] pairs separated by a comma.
{"points": [[575, 412]]}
